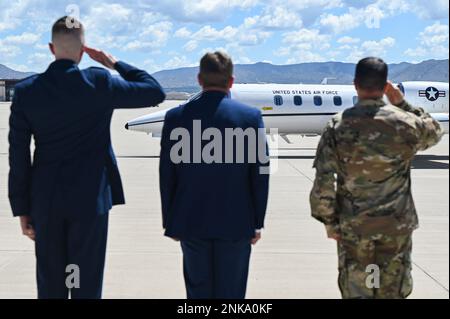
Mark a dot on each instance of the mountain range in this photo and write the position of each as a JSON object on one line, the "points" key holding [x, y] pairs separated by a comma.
{"points": [[185, 79], [10, 74]]}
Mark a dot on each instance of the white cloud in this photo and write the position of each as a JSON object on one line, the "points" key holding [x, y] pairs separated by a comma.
{"points": [[151, 66], [211, 34], [377, 47], [11, 13], [105, 23], [305, 56], [275, 18], [302, 5], [309, 36], [8, 51], [240, 35], [41, 46], [348, 40], [372, 13], [368, 48], [191, 46], [144, 29], [152, 17], [116, 26], [304, 46], [183, 33], [253, 38], [10, 46], [370, 16], [433, 42], [285, 14], [177, 62], [338, 24], [158, 33], [434, 35], [39, 60], [108, 18], [430, 9], [139, 45], [200, 11], [25, 38], [243, 60]]}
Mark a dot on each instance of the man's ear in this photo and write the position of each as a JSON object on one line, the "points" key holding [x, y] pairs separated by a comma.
{"points": [[52, 48], [231, 82], [199, 79]]}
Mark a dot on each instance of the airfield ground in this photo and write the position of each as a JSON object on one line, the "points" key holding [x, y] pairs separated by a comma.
{"points": [[293, 260]]}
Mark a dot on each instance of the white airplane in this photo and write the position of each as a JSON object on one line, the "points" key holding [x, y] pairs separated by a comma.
{"points": [[305, 109]]}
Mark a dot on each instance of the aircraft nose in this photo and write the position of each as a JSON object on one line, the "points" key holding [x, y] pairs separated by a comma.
{"points": [[150, 123]]}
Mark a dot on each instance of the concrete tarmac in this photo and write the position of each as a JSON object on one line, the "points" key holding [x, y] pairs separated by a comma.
{"points": [[293, 260]]}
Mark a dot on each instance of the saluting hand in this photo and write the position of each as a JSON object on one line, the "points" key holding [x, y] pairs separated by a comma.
{"points": [[101, 57], [394, 94]]}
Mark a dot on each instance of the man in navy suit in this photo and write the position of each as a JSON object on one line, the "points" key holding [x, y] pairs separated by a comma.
{"points": [[63, 196], [214, 196]]}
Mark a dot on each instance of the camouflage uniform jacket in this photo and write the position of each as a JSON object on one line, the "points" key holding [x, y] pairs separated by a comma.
{"points": [[363, 165]]}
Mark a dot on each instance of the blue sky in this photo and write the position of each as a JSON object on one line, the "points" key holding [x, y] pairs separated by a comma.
{"points": [[169, 34]]}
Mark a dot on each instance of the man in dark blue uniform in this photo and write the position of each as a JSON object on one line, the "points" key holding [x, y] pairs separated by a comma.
{"points": [[214, 199], [63, 195]]}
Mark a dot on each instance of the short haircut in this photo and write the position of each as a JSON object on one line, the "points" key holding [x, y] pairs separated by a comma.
{"points": [[371, 74], [68, 29], [216, 70]]}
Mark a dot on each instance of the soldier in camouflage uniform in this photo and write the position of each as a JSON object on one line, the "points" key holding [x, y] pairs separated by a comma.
{"points": [[362, 190]]}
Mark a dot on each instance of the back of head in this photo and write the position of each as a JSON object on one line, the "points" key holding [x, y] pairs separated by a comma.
{"points": [[67, 38], [371, 74], [216, 70]]}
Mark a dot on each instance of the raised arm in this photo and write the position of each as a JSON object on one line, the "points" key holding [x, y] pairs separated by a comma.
{"points": [[429, 131], [136, 88]]}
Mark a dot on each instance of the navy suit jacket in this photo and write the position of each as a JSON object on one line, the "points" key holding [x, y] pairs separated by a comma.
{"points": [[212, 201], [68, 112]]}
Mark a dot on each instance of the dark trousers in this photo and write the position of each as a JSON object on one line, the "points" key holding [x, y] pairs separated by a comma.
{"points": [[64, 245], [216, 269]]}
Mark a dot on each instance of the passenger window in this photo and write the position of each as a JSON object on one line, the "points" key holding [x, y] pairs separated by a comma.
{"points": [[278, 100], [355, 100], [337, 100], [317, 100], [298, 100]]}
